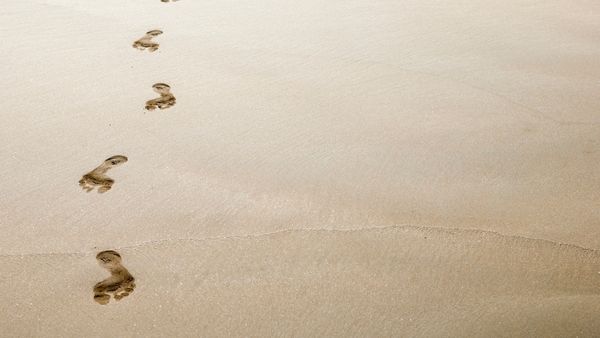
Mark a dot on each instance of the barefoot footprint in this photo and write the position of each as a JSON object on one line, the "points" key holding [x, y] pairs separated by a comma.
{"points": [[165, 100], [120, 283], [146, 41], [97, 177]]}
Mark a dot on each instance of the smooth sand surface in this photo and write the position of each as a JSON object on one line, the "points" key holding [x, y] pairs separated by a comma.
{"points": [[399, 281], [340, 117]]}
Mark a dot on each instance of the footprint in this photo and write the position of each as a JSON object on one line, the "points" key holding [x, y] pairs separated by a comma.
{"points": [[168, 0], [120, 283], [165, 100], [146, 41], [97, 177]]}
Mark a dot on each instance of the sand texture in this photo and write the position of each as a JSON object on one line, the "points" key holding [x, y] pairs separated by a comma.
{"points": [[399, 281], [408, 168]]}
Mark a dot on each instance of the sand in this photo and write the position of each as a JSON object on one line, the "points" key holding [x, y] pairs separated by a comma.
{"points": [[398, 281], [312, 148]]}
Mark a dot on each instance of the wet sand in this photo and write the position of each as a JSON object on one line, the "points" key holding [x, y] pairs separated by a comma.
{"points": [[345, 116], [407, 281]]}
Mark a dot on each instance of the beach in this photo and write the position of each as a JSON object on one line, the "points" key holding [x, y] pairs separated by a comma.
{"points": [[349, 168]]}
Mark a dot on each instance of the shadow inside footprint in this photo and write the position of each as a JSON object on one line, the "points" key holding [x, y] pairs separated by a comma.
{"points": [[120, 283], [145, 42], [97, 177], [166, 99]]}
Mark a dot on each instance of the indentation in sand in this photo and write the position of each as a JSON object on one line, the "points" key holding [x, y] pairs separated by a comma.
{"points": [[120, 283], [166, 99], [146, 42], [97, 177]]}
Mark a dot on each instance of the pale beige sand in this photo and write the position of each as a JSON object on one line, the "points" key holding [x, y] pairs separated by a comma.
{"points": [[401, 281], [342, 115]]}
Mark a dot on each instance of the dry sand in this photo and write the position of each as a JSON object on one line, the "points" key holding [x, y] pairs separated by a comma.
{"points": [[339, 168]]}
